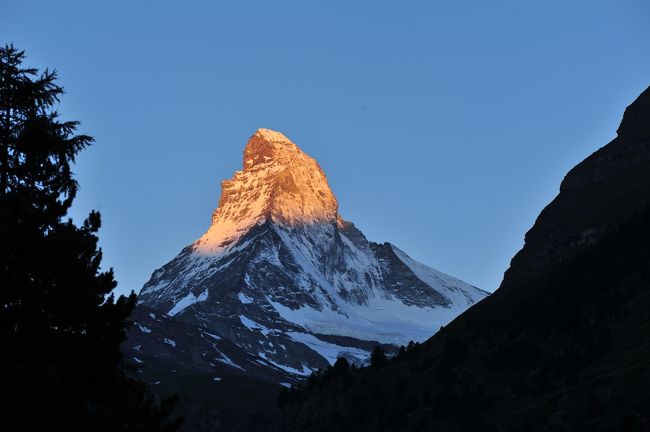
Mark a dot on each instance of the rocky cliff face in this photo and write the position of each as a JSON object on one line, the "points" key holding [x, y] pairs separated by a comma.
{"points": [[280, 282], [278, 183]]}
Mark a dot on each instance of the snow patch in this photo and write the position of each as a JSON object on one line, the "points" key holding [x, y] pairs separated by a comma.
{"points": [[188, 301], [144, 329], [226, 360], [380, 319], [329, 350], [304, 372], [252, 325], [214, 336], [461, 294], [244, 299]]}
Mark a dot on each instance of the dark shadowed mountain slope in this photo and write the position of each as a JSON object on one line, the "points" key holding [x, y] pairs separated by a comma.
{"points": [[563, 344]]}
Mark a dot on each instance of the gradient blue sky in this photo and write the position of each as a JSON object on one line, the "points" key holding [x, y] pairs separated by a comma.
{"points": [[443, 127]]}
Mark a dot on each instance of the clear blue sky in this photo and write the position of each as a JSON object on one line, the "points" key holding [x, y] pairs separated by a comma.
{"points": [[444, 127]]}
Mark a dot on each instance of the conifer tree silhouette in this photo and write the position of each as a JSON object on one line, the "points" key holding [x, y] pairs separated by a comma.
{"points": [[378, 357], [60, 326]]}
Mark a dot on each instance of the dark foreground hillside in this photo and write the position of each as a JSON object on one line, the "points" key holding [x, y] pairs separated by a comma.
{"points": [[563, 344]]}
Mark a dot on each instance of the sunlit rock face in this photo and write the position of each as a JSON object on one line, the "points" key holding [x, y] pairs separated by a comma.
{"points": [[282, 278], [278, 183]]}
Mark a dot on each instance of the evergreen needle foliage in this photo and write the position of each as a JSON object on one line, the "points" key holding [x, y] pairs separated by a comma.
{"points": [[61, 326]]}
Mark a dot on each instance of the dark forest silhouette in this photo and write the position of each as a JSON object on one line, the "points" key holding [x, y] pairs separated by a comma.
{"points": [[61, 326]]}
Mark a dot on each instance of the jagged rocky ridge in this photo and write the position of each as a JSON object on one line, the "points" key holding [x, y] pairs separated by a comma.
{"points": [[280, 285]]}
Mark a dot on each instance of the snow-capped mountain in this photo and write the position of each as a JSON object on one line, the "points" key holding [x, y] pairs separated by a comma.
{"points": [[281, 285]]}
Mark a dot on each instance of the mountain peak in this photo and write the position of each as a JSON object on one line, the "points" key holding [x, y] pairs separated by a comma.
{"points": [[271, 136], [267, 145], [279, 182]]}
